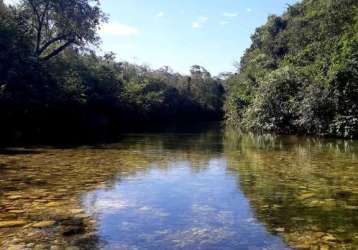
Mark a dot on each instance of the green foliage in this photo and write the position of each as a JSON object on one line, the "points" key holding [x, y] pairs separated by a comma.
{"points": [[77, 94], [56, 25], [345, 98], [300, 73], [275, 105]]}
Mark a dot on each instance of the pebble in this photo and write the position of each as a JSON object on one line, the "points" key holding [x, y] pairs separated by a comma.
{"points": [[14, 197], [76, 211], [324, 247], [72, 248], [14, 223], [55, 248], [16, 247], [329, 237], [280, 230], [16, 211], [44, 224], [54, 204], [306, 196], [40, 247]]}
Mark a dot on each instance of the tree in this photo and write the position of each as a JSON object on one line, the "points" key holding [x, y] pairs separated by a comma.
{"points": [[2, 7], [58, 24], [317, 41], [78, 95]]}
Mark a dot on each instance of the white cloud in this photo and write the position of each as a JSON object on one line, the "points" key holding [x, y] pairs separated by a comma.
{"points": [[199, 22], [11, 2], [224, 22], [118, 29], [121, 46], [230, 14], [248, 10], [195, 25], [203, 19], [160, 14]]}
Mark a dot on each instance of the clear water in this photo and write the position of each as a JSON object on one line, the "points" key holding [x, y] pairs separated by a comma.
{"points": [[184, 205], [211, 189]]}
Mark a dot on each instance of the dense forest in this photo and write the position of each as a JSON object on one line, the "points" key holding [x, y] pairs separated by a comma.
{"points": [[53, 86], [300, 74]]}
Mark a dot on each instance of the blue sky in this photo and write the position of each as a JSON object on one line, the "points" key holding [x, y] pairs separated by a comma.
{"points": [[181, 33]]}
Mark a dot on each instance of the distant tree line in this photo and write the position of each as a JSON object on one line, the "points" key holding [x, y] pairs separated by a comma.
{"points": [[300, 74], [53, 86]]}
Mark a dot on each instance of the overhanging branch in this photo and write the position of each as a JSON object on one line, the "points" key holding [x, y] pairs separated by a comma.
{"points": [[50, 42], [57, 51]]}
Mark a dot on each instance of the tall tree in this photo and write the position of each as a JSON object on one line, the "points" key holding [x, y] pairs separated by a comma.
{"points": [[58, 24]]}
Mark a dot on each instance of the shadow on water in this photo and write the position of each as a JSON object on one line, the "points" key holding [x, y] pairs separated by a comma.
{"points": [[183, 190], [18, 151]]}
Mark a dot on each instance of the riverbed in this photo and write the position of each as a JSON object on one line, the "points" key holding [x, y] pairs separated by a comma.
{"points": [[209, 189]]}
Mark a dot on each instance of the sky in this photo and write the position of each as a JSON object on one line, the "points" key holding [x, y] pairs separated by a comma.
{"points": [[182, 33]]}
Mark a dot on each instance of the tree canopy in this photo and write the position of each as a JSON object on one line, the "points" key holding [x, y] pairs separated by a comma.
{"points": [[59, 24], [300, 73], [77, 94]]}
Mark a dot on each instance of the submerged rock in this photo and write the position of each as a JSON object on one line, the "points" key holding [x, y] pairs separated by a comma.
{"points": [[44, 224], [16, 247], [329, 237], [54, 204], [40, 247], [72, 248], [306, 196], [14, 197], [76, 211], [324, 247], [280, 230], [55, 248], [13, 223], [18, 211]]}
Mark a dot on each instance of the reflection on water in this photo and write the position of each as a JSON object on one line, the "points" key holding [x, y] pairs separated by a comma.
{"points": [[188, 205], [304, 189], [209, 190]]}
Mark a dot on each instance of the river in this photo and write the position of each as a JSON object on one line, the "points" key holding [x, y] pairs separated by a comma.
{"points": [[203, 189]]}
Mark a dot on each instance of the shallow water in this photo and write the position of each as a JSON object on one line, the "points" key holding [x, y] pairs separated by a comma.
{"points": [[205, 190]]}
